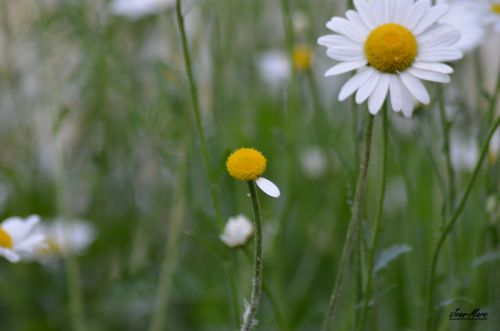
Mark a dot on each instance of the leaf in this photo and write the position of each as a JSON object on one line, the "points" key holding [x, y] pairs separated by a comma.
{"points": [[485, 258], [389, 254]]}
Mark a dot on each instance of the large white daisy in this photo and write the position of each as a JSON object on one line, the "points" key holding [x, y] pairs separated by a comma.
{"points": [[393, 45]]}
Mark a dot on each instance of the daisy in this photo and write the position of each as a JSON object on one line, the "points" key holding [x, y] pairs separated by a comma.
{"points": [[237, 231], [248, 164], [136, 9], [64, 237], [392, 45], [18, 239], [493, 15], [274, 68]]}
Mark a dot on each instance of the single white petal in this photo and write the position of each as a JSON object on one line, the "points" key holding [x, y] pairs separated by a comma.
{"points": [[407, 99], [345, 28], [366, 13], [357, 21], [439, 55], [30, 243], [355, 82], [429, 75], [381, 11], [345, 67], [10, 255], [432, 15], [18, 228], [336, 40], [439, 36], [367, 88], [377, 98], [415, 86], [395, 92], [436, 67], [415, 14], [345, 54], [268, 187], [401, 9]]}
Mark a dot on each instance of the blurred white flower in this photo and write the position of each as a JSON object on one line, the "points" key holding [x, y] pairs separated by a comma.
{"points": [[314, 162], [464, 152], [274, 67], [18, 238], [467, 17], [64, 237], [494, 148], [300, 22], [136, 9], [493, 14], [237, 231]]}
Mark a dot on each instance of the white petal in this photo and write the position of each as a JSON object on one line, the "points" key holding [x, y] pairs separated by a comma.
{"points": [[355, 82], [436, 67], [345, 67], [357, 21], [429, 75], [415, 86], [345, 28], [440, 36], [10, 255], [439, 55], [18, 228], [401, 9], [407, 100], [432, 15], [30, 243], [378, 96], [395, 92], [366, 13], [415, 14], [268, 187], [336, 40], [381, 11], [367, 88]]}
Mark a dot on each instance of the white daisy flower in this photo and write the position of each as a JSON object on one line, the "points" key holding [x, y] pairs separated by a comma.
{"points": [[274, 68], [18, 238], [464, 152], [314, 162], [493, 14], [467, 17], [237, 231], [64, 237], [135, 9], [393, 45]]}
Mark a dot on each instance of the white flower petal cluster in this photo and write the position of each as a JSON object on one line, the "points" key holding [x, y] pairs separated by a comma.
{"points": [[237, 232], [18, 238]]}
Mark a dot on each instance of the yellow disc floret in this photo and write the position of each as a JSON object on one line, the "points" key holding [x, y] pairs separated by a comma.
{"points": [[391, 48], [246, 164], [495, 8], [302, 58], [5, 239]]}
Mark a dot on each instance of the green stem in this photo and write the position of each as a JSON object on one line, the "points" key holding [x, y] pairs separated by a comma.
{"points": [[445, 127], [250, 311], [197, 111], [451, 223], [352, 231], [376, 228]]}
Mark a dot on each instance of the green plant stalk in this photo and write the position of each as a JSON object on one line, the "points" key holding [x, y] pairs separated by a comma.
{"points": [[197, 111], [376, 227], [171, 251], [251, 310], [451, 223], [445, 128], [352, 231]]}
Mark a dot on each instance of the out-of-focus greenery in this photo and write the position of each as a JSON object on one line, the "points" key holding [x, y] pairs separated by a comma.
{"points": [[95, 119]]}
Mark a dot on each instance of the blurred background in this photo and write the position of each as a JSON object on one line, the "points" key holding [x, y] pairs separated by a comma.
{"points": [[96, 125]]}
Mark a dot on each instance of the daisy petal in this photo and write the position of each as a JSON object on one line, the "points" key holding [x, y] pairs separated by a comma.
{"points": [[437, 67], [17, 228], [415, 86], [439, 55], [415, 14], [268, 187], [356, 20], [335, 40], [366, 13], [9, 255], [355, 82], [441, 35], [377, 98], [400, 10], [345, 54], [407, 99], [395, 93], [345, 28], [433, 14], [429, 75], [345, 67], [367, 88], [29, 244]]}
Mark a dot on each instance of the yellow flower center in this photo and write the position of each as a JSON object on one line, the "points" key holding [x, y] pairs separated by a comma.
{"points": [[495, 8], [302, 58], [5, 239], [391, 48], [246, 164], [51, 247]]}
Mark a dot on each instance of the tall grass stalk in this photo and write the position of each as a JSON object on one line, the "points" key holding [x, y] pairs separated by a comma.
{"points": [[251, 310], [368, 290], [449, 226], [352, 231]]}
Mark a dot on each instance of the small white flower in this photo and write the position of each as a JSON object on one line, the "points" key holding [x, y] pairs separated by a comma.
{"points": [[64, 237], [237, 231], [135, 9], [494, 148], [18, 238], [300, 22], [392, 45], [493, 14], [274, 67], [314, 162], [464, 152], [467, 17]]}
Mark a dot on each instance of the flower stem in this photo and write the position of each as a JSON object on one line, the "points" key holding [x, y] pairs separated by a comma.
{"points": [[251, 310], [376, 228], [451, 223], [352, 231]]}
